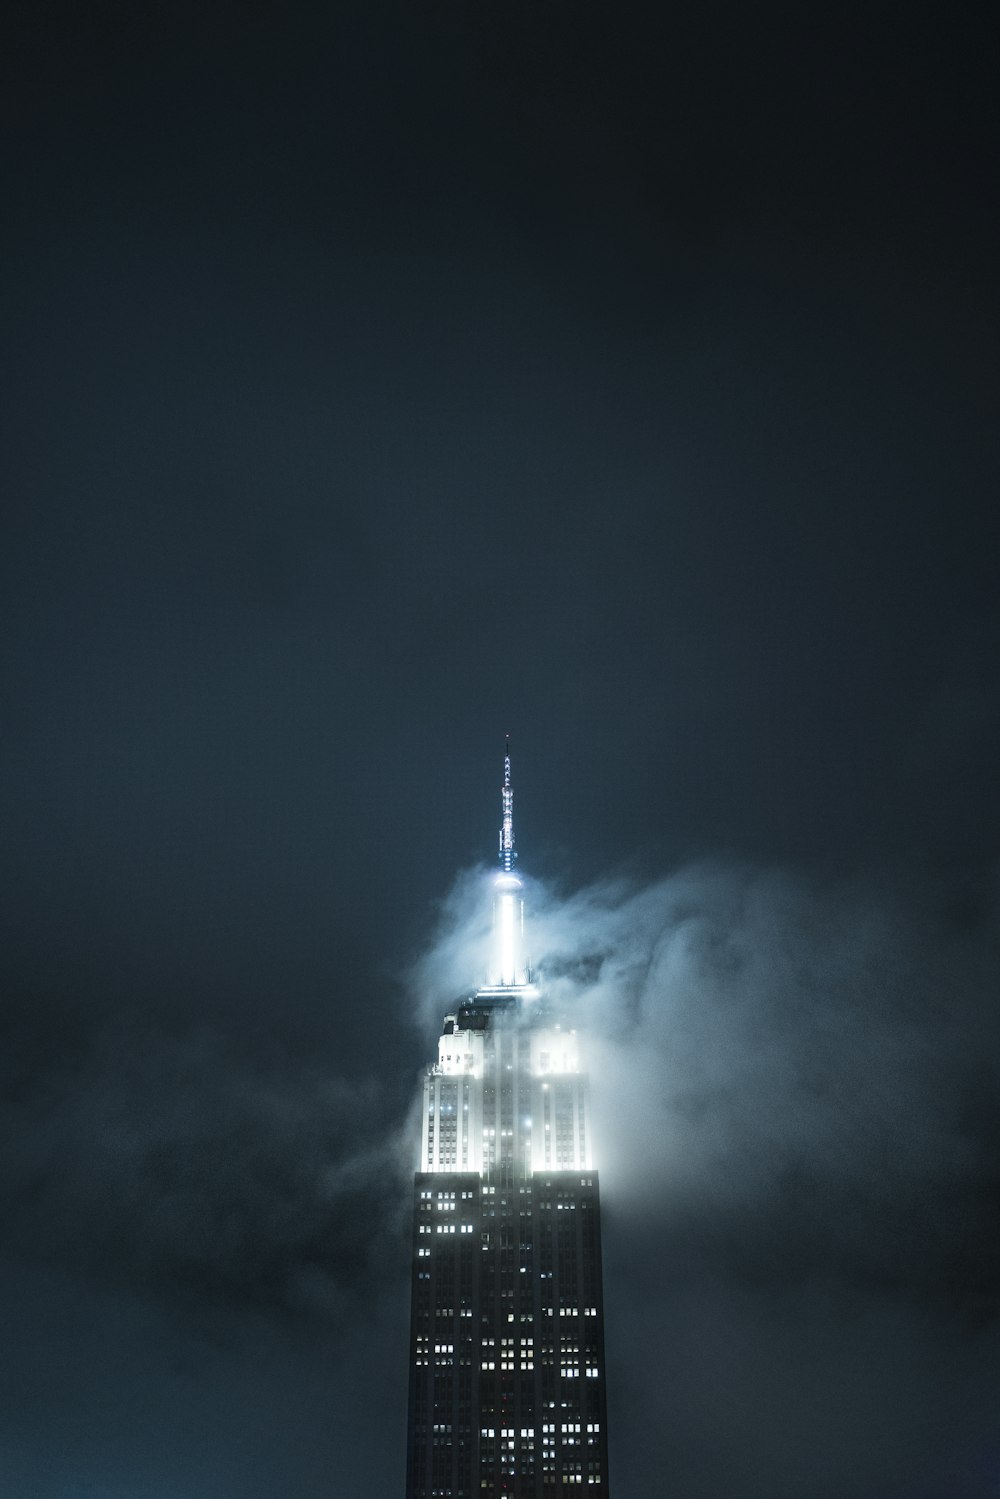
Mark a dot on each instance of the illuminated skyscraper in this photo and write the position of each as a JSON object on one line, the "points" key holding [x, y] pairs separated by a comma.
{"points": [[507, 1388]]}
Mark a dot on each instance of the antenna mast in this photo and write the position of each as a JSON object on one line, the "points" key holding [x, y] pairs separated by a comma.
{"points": [[507, 854]]}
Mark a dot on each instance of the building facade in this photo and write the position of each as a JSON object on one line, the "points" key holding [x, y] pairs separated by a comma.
{"points": [[507, 1380]]}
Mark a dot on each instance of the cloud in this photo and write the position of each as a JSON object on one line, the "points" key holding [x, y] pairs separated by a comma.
{"points": [[797, 1131], [797, 1127], [760, 1040], [175, 1164]]}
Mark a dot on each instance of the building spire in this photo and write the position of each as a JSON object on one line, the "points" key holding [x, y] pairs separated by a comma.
{"points": [[507, 854]]}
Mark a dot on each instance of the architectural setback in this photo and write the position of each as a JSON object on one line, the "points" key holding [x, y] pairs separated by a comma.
{"points": [[507, 1386]]}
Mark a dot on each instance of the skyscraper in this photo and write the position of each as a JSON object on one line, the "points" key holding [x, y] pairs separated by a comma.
{"points": [[507, 1386]]}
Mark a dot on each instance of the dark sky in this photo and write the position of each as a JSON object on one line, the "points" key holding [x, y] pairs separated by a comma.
{"points": [[379, 379]]}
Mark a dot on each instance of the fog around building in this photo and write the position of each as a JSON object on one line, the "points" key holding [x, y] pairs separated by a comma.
{"points": [[793, 1111], [795, 1122]]}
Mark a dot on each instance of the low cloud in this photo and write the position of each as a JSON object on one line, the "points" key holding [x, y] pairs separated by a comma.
{"points": [[752, 1034], [797, 1127], [179, 1166], [798, 1132]]}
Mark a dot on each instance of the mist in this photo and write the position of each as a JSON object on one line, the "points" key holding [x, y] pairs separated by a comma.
{"points": [[796, 1127]]}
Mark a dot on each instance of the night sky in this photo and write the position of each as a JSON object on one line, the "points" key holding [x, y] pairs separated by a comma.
{"points": [[381, 379]]}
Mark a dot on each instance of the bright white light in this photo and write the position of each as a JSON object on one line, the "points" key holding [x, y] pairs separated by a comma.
{"points": [[507, 931], [507, 911]]}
